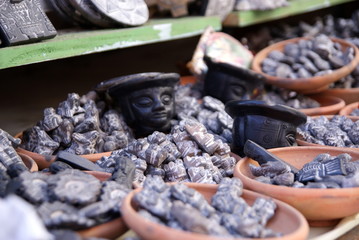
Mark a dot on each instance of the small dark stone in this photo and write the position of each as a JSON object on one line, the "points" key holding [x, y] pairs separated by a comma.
{"points": [[77, 162]]}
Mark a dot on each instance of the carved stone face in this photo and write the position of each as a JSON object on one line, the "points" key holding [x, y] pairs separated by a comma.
{"points": [[265, 131], [152, 108], [235, 90]]}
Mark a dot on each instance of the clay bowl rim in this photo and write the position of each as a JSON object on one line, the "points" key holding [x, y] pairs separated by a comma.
{"points": [[295, 196], [348, 109], [326, 109], [44, 161], [29, 161], [129, 211], [111, 230], [349, 95], [301, 142], [307, 85]]}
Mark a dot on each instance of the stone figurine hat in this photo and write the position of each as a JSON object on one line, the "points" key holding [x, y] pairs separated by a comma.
{"points": [[227, 82], [270, 126], [145, 99]]}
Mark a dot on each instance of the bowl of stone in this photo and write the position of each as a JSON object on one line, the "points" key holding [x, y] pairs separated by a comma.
{"points": [[209, 211], [306, 65], [351, 110], [318, 181], [76, 126], [337, 131], [75, 201]]}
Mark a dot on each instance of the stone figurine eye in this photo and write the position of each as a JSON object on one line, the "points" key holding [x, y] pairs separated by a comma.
{"points": [[166, 99], [143, 102]]}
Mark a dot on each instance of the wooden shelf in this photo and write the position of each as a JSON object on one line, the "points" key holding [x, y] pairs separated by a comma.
{"points": [[247, 18], [81, 42]]}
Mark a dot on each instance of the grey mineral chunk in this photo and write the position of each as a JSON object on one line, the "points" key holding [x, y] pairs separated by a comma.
{"points": [[184, 143], [213, 104], [284, 179], [199, 133], [323, 45], [117, 140], [38, 141], [175, 171], [138, 147], [91, 120], [276, 55], [51, 119], [84, 143], [193, 198], [34, 187], [155, 155], [154, 202], [292, 50], [63, 133], [198, 161], [283, 70], [61, 215], [354, 133], [124, 172], [111, 121], [71, 106], [191, 220], [269, 169], [171, 149], [152, 170], [228, 197], [263, 209]]}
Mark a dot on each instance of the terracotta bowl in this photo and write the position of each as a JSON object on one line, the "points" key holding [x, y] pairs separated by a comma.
{"points": [[305, 85], [301, 142], [348, 109], [349, 95], [188, 80], [44, 161], [328, 106], [109, 230], [286, 220], [29, 162], [321, 207]]}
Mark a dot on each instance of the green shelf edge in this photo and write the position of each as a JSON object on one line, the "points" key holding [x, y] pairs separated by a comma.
{"points": [[247, 18], [93, 41]]}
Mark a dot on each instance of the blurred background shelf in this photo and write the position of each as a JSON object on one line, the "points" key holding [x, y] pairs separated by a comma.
{"points": [[247, 18], [77, 42]]}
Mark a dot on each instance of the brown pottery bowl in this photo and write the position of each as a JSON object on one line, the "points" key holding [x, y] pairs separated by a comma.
{"points": [[349, 95], [304, 85], [286, 219], [44, 161], [321, 207], [29, 162], [328, 106], [348, 109], [301, 142], [110, 230]]}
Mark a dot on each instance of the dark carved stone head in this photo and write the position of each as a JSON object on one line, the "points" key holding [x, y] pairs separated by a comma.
{"points": [[270, 126], [146, 100], [227, 82]]}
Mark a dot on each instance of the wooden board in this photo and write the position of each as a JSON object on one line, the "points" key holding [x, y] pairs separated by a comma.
{"points": [[246, 18], [75, 43]]}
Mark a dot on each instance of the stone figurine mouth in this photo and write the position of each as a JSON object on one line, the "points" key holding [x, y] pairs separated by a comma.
{"points": [[159, 115]]}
